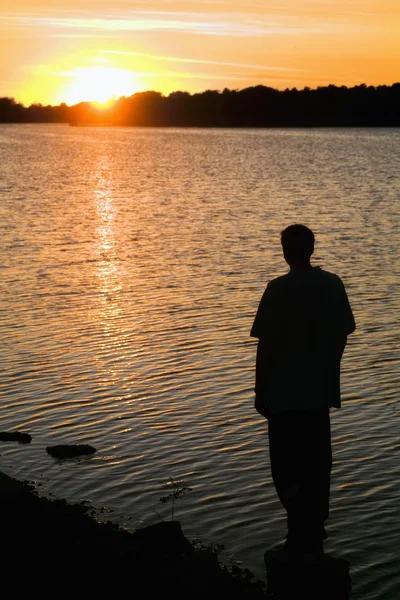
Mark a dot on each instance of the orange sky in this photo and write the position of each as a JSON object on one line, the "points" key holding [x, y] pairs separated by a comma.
{"points": [[71, 50]]}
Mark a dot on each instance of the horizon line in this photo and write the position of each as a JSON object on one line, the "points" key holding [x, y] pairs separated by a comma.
{"points": [[220, 91]]}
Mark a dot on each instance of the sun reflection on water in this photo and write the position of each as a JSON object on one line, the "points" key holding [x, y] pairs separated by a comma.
{"points": [[108, 307], [106, 213]]}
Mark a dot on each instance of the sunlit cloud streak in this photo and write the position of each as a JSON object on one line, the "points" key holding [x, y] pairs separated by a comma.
{"points": [[257, 78], [81, 71], [142, 23], [218, 24], [198, 61], [294, 8]]}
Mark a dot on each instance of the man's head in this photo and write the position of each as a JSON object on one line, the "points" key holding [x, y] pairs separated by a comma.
{"points": [[298, 245]]}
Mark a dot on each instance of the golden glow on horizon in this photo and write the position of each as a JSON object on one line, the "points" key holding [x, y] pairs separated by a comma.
{"points": [[54, 51], [99, 85]]}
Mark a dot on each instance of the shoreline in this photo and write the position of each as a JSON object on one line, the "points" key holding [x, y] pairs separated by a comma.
{"points": [[54, 543]]}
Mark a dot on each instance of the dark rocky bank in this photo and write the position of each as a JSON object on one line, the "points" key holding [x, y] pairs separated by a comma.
{"points": [[49, 546]]}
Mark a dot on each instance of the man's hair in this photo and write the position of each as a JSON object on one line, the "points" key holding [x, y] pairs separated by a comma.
{"points": [[297, 242]]}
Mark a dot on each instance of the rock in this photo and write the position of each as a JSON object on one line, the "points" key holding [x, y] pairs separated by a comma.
{"points": [[11, 490], [15, 436], [162, 541], [198, 574], [70, 451], [170, 566], [312, 577]]}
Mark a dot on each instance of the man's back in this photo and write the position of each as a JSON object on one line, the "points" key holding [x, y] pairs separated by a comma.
{"points": [[302, 324], [303, 318]]}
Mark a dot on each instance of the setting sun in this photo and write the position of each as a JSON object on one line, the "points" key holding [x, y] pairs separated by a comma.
{"points": [[55, 51], [100, 84]]}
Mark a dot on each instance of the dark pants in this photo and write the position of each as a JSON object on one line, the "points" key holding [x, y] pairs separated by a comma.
{"points": [[301, 462]]}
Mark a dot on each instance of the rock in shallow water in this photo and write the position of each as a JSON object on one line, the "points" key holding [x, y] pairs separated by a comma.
{"points": [[15, 436], [70, 451], [306, 576]]}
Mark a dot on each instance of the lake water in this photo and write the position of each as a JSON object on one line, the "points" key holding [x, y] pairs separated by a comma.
{"points": [[132, 263]]}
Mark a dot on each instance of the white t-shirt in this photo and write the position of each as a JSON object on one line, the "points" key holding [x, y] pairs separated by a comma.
{"points": [[303, 316]]}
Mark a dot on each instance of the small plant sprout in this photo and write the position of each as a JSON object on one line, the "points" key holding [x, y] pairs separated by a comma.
{"points": [[177, 490]]}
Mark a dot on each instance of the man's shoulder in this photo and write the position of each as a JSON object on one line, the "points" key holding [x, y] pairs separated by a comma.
{"points": [[328, 277], [278, 281]]}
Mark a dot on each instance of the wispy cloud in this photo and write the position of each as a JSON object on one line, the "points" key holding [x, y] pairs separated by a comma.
{"points": [[274, 79], [197, 61], [236, 24], [267, 7], [231, 77], [173, 22], [80, 72]]}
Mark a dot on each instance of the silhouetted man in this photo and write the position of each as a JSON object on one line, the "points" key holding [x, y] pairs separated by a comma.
{"points": [[302, 324]]}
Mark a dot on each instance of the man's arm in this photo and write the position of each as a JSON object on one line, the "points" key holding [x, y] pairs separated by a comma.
{"points": [[261, 329], [263, 361], [342, 345], [347, 321]]}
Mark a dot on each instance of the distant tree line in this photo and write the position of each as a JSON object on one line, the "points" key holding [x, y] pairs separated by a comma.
{"points": [[13, 112], [260, 106]]}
